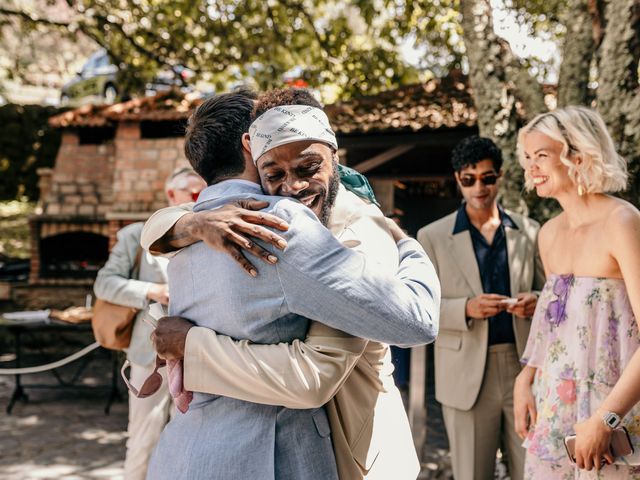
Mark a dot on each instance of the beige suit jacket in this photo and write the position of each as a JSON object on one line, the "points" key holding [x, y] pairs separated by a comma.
{"points": [[353, 377], [461, 347]]}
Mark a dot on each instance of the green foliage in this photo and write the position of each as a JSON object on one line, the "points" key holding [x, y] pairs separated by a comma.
{"points": [[26, 144], [353, 45], [334, 42], [14, 225]]}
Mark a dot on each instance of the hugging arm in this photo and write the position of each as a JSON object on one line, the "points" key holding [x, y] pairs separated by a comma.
{"points": [[161, 229], [322, 279], [232, 228], [297, 375], [294, 375]]}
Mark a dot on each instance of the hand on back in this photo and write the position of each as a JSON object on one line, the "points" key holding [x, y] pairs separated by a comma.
{"points": [[170, 337], [234, 229]]}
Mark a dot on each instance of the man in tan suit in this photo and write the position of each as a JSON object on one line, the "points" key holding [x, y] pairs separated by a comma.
{"points": [[488, 265], [370, 431]]}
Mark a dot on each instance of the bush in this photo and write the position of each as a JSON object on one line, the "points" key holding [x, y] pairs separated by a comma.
{"points": [[26, 144], [14, 225]]}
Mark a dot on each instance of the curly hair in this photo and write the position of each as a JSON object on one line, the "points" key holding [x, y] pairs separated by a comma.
{"points": [[284, 96], [474, 149], [583, 135]]}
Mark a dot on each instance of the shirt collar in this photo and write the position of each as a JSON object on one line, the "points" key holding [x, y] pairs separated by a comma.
{"points": [[224, 189], [463, 223]]}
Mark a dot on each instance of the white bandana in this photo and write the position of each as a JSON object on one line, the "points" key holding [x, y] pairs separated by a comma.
{"points": [[286, 124]]}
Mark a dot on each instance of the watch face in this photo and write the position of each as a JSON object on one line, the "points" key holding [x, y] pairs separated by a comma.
{"points": [[611, 419]]}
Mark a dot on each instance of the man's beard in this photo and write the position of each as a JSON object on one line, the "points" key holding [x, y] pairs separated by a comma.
{"points": [[327, 196], [329, 199]]}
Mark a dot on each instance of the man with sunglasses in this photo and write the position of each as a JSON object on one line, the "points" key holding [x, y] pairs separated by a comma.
{"points": [[488, 264]]}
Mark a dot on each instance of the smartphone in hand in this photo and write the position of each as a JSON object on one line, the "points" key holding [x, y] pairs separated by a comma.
{"points": [[620, 444]]}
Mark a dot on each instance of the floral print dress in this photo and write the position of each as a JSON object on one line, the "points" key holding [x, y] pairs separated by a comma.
{"points": [[583, 335]]}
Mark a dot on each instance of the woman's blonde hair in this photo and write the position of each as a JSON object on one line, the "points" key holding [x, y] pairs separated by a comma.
{"points": [[582, 133]]}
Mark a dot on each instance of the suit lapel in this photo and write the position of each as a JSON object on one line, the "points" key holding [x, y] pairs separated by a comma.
{"points": [[465, 258], [516, 251]]}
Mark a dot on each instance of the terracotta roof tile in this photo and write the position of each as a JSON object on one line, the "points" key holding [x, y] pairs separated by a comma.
{"points": [[444, 103], [170, 105], [85, 116]]}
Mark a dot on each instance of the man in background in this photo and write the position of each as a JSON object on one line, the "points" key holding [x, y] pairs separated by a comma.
{"points": [[488, 264]]}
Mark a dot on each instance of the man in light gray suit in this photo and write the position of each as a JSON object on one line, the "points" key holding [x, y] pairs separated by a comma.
{"points": [[147, 416], [315, 277]]}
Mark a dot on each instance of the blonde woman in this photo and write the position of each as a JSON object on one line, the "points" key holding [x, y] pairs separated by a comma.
{"points": [[584, 331]]}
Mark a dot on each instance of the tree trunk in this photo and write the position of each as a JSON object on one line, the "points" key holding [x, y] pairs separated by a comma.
{"points": [[618, 89], [578, 50], [493, 94]]}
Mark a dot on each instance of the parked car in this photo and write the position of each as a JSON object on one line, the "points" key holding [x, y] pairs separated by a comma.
{"points": [[98, 79]]}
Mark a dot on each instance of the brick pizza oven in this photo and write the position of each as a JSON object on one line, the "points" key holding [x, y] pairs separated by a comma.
{"points": [[109, 172]]}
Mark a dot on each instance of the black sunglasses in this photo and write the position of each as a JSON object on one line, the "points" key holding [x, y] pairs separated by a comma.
{"points": [[470, 180]]}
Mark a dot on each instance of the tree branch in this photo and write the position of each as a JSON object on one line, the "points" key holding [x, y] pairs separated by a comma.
{"points": [[326, 47], [527, 89], [33, 18], [274, 25], [579, 47], [89, 30]]}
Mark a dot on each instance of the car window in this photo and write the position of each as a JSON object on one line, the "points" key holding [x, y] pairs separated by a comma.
{"points": [[102, 61], [89, 65]]}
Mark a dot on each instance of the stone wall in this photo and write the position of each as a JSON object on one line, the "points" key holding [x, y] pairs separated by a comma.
{"points": [[81, 182], [101, 186], [141, 168]]}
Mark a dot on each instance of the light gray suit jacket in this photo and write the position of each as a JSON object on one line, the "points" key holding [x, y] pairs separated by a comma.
{"points": [[461, 348], [315, 277], [114, 285]]}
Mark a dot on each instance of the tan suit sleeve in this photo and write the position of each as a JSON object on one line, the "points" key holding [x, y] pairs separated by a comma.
{"points": [[294, 375], [297, 374], [452, 310], [159, 224]]}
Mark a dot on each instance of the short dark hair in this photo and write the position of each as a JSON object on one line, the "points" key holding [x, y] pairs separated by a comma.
{"points": [[285, 96], [474, 149], [213, 137]]}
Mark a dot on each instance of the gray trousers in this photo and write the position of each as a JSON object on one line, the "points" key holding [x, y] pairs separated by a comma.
{"points": [[476, 434]]}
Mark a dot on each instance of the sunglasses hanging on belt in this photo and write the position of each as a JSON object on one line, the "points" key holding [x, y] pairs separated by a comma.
{"points": [[470, 180]]}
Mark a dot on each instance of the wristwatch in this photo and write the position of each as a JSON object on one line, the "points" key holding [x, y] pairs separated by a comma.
{"points": [[611, 419]]}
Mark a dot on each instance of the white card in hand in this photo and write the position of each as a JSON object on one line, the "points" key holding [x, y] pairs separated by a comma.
{"points": [[509, 301]]}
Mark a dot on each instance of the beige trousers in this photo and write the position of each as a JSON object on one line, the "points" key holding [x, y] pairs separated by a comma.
{"points": [[147, 418], [476, 434]]}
